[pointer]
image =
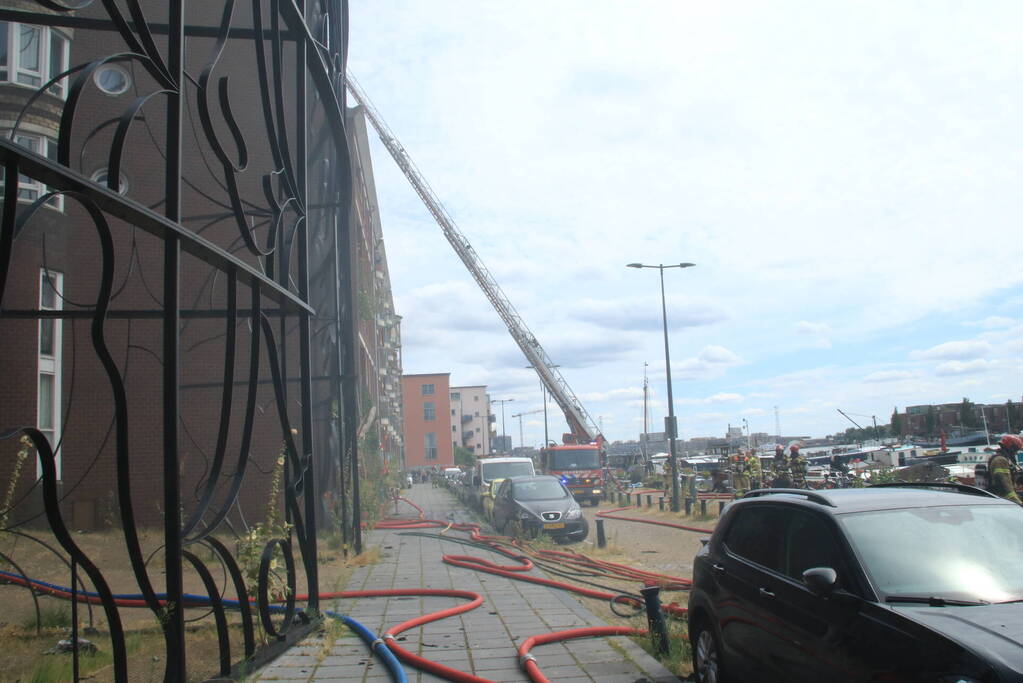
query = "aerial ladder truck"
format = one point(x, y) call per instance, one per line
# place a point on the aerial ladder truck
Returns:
point(581, 457)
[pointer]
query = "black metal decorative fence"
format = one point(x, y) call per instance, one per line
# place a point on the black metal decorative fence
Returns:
point(176, 311)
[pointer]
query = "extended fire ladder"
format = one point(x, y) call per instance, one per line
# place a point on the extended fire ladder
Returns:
point(579, 421)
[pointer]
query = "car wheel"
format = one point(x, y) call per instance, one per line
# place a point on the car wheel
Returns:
point(707, 661)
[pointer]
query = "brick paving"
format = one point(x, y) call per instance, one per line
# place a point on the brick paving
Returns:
point(482, 641)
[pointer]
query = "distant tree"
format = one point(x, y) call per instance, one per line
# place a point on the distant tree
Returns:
point(895, 428)
point(967, 414)
point(931, 421)
point(464, 457)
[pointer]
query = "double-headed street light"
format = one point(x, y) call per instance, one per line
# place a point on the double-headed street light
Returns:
point(670, 426)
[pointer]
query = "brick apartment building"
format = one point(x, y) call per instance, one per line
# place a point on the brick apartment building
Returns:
point(930, 419)
point(426, 403)
point(471, 420)
point(54, 377)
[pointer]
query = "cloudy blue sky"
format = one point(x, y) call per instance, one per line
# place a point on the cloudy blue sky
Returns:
point(846, 176)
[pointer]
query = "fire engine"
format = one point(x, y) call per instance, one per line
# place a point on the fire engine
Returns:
point(580, 466)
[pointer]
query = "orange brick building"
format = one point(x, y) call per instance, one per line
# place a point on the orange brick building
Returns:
point(426, 403)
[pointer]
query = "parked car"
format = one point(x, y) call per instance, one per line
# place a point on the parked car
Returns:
point(539, 504)
point(904, 582)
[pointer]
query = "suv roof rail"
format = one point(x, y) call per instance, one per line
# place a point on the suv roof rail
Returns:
point(954, 485)
point(811, 496)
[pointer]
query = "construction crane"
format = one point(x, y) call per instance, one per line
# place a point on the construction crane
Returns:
point(519, 415)
point(872, 417)
point(582, 427)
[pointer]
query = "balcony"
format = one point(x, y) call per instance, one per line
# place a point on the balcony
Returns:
point(466, 419)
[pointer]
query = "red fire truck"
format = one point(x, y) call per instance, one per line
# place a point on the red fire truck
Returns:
point(580, 467)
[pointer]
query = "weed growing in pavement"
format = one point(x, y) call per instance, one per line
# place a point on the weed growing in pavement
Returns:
point(679, 659)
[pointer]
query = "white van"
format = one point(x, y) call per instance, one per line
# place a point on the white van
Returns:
point(488, 469)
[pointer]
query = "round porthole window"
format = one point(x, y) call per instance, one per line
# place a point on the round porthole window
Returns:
point(101, 176)
point(113, 79)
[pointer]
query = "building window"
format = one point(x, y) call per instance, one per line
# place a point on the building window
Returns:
point(454, 429)
point(429, 411)
point(30, 189)
point(431, 446)
point(477, 430)
point(456, 396)
point(102, 177)
point(477, 413)
point(51, 333)
point(453, 412)
point(476, 398)
point(428, 389)
point(113, 79)
point(30, 55)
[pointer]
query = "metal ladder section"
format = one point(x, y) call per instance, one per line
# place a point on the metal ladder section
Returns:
point(579, 421)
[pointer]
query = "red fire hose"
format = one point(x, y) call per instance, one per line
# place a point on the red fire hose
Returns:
point(528, 661)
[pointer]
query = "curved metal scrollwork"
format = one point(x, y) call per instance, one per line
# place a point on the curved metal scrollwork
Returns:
point(166, 157)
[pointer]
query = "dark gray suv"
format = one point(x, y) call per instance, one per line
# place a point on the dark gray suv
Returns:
point(908, 582)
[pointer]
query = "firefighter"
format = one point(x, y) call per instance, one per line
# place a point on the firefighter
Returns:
point(740, 476)
point(782, 479)
point(756, 474)
point(1000, 468)
point(797, 467)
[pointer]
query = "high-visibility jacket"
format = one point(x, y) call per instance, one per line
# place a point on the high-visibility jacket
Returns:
point(798, 467)
point(999, 469)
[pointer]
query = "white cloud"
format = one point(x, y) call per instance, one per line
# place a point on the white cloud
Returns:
point(889, 376)
point(818, 333)
point(956, 367)
point(815, 329)
point(613, 394)
point(992, 322)
point(954, 350)
point(712, 361)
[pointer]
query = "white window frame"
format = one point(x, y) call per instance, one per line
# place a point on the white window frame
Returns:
point(51, 365)
point(430, 452)
point(47, 36)
point(30, 189)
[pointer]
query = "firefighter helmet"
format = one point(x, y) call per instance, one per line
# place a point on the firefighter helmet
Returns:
point(794, 448)
point(1011, 443)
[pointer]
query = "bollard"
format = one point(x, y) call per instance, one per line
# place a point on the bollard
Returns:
point(618, 497)
point(655, 619)
point(721, 507)
point(649, 500)
point(601, 538)
point(660, 503)
point(689, 506)
point(703, 507)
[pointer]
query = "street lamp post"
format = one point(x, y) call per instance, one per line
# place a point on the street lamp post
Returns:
point(543, 393)
point(671, 427)
point(502, 401)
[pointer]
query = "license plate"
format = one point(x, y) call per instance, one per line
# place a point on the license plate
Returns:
point(554, 525)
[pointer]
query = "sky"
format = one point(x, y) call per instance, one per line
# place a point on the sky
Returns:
point(845, 176)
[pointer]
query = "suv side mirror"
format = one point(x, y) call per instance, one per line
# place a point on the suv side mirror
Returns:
point(820, 580)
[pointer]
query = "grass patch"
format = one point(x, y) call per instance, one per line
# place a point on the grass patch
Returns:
point(679, 659)
point(50, 617)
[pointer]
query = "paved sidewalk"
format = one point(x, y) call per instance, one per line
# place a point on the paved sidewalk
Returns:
point(482, 641)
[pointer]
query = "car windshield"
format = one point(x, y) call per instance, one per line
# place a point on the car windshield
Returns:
point(953, 552)
point(503, 470)
point(576, 459)
point(539, 489)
